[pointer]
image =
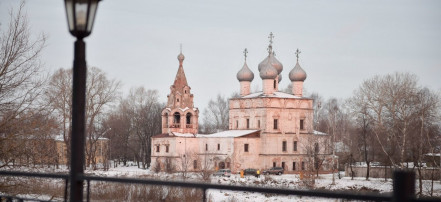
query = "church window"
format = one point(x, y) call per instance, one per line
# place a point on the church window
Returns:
point(295, 146)
point(177, 100)
point(303, 165)
point(284, 146)
point(237, 124)
point(245, 147)
point(188, 117)
point(302, 127)
point(206, 147)
point(228, 164)
point(218, 147)
point(248, 123)
point(293, 165)
point(275, 84)
point(166, 119)
point(177, 117)
point(275, 124)
point(283, 165)
point(274, 164)
point(316, 148)
point(258, 123)
point(195, 164)
point(157, 148)
point(166, 148)
point(185, 91)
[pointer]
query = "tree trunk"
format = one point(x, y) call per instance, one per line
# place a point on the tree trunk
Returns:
point(368, 163)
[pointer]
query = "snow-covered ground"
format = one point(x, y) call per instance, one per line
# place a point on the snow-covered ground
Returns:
point(291, 181)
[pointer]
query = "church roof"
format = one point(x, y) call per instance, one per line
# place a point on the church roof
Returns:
point(180, 79)
point(225, 134)
point(229, 133)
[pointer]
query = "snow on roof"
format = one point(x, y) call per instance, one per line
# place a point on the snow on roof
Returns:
point(61, 138)
point(183, 134)
point(184, 109)
point(275, 94)
point(319, 133)
point(228, 133)
point(432, 154)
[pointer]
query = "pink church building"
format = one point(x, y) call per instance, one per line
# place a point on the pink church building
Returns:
point(267, 129)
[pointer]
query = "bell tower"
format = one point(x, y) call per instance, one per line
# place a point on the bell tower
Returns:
point(180, 115)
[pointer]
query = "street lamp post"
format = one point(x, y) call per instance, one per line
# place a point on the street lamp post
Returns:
point(80, 18)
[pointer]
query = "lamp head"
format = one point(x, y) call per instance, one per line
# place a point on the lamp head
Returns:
point(80, 16)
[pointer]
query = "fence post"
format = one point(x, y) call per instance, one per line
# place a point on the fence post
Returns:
point(403, 186)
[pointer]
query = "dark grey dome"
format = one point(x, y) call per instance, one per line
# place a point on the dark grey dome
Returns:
point(274, 62)
point(297, 73)
point(268, 71)
point(245, 74)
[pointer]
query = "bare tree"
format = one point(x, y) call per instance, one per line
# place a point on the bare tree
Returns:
point(119, 121)
point(58, 96)
point(21, 78)
point(402, 116)
point(216, 115)
point(100, 93)
point(146, 119)
point(315, 147)
point(205, 164)
point(186, 161)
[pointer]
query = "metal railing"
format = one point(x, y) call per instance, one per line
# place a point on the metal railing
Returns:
point(403, 187)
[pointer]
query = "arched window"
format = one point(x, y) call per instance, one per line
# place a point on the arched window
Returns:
point(188, 118)
point(177, 117)
point(166, 119)
point(275, 84)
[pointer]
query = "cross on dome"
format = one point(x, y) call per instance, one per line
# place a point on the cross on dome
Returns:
point(270, 46)
point(245, 54)
point(297, 54)
point(271, 37)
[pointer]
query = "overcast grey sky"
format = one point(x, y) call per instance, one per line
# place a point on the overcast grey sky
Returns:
point(342, 42)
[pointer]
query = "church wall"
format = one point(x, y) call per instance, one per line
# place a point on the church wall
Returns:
point(246, 159)
point(215, 153)
point(288, 113)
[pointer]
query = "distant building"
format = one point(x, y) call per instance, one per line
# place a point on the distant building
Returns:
point(32, 150)
point(101, 150)
point(266, 129)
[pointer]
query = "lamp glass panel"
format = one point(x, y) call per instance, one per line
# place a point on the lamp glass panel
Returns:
point(70, 16)
point(81, 16)
point(92, 11)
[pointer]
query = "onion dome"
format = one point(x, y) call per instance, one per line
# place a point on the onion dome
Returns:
point(245, 74)
point(181, 57)
point(280, 78)
point(268, 71)
point(297, 73)
point(274, 62)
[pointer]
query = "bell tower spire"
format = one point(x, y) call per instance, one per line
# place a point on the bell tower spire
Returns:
point(180, 115)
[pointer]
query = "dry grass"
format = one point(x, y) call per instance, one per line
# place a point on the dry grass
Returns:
point(50, 187)
point(100, 191)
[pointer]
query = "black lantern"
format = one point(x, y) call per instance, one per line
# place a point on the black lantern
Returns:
point(80, 16)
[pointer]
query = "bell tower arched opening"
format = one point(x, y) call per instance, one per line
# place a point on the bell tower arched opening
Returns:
point(176, 120)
